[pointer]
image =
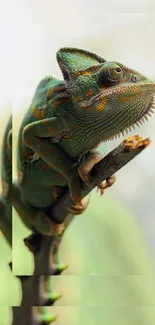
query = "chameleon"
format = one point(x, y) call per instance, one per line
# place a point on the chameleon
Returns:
point(6, 176)
point(97, 101)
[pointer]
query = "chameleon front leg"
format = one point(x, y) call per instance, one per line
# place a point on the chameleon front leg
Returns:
point(80, 207)
point(77, 208)
point(87, 163)
point(35, 136)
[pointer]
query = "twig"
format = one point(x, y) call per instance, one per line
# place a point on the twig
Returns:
point(106, 167)
point(29, 316)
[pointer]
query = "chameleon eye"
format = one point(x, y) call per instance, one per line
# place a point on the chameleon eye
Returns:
point(110, 73)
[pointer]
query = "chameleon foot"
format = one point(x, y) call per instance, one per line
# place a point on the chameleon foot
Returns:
point(87, 163)
point(80, 207)
point(109, 182)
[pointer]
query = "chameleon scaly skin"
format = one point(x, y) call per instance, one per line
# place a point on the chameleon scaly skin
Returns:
point(68, 119)
point(6, 175)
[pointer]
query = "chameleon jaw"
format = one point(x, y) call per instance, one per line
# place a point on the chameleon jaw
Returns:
point(107, 92)
point(148, 113)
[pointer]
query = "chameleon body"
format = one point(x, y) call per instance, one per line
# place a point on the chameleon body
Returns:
point(68, 119)
point(6, 176)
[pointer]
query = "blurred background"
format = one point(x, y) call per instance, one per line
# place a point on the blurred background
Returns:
point(110, 249)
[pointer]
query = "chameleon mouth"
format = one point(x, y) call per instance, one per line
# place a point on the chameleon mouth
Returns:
point(148, 113)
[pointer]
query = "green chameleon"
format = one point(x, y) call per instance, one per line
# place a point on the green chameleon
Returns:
point(66, 121)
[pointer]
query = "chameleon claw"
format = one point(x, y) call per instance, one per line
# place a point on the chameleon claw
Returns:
point(100, 188)
point(104, 185)
point(76, 208)
point(80, 207)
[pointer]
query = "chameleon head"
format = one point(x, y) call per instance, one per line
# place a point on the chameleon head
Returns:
point(114, 97)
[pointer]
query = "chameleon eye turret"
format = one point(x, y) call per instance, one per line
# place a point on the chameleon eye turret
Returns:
point(110, 74)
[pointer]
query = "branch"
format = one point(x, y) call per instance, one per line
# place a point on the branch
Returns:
point(105, 168)
point(35, 292)
point(109, 165)
point(31, 316)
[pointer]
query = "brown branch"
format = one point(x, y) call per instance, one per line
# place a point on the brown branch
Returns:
point(35, 293)
point(108, 166)
point(29, 316)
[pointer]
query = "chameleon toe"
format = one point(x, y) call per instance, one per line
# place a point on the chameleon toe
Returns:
point(80, 207)
point(106, 184)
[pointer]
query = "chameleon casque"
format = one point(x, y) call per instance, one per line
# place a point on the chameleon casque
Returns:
point(66, 121)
